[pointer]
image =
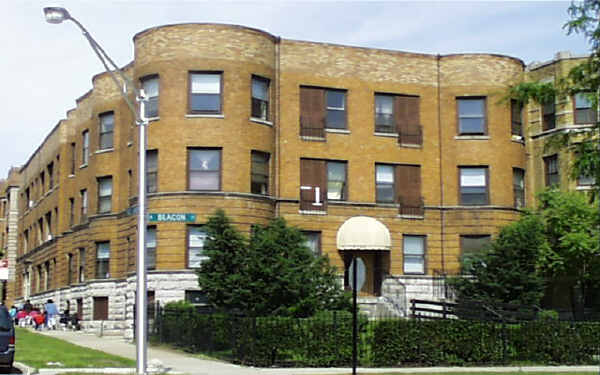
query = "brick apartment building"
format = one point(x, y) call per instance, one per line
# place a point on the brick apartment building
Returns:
point(408, 160)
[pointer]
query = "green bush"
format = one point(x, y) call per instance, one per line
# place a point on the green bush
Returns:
point(458, 342)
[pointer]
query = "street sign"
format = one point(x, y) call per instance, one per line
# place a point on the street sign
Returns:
point(360, 273)
point(172, 217)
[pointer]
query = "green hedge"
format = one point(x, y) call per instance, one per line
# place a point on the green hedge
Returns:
point(325, 340)
point(459, 342)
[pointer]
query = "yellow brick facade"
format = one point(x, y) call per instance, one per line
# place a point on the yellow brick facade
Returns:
point(238, 54)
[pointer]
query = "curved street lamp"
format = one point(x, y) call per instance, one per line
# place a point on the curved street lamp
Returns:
point(58, 15)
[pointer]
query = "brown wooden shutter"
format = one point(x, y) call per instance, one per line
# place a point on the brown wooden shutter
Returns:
point(408, 185)
point(100, 308)
point(313, 174)
point(312, 112)
point(407, 116)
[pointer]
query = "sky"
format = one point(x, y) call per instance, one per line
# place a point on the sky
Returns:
point(45, 67)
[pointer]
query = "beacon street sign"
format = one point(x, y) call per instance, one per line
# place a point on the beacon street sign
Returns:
point(174, 218)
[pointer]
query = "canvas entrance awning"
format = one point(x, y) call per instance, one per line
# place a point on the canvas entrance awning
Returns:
point(363, 233)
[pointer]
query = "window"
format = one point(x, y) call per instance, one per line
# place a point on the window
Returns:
point(42, 184)
point(48, 276)
point(585, 180)
point(50, 175)
point(473, 185)
point(151, 171)
point(26, 240)
point(336, 181)
point(473, 243)
point(205, 93)
point(84, 203)
point(104, 195)
point(399, 114)
point(321, 108)
point(313, 241)
point(150, 87)
point(414, 254)
point(204, 169)
point(384, 114)
point(516, 117)
point(259, 175)
point(400, 184)
point(384, 183)
point(107, 124)
point(471, 116)
point(196, 297)
point(320, 180)
point(336, 109)
point(551, 170)
point(196, 238)
point(102, 260)
point(260, 98)
point(151, 247)
point(71, 212)
point(39, 278)
point(584, 112)
point(548, 115)
point(100, 308)
point(73, 157)
point(81, 268)
point(70, 267)
point(519, 187)
point(85, 147)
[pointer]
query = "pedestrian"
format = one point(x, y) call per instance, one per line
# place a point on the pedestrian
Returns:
point(51, 312)
point(28, 306)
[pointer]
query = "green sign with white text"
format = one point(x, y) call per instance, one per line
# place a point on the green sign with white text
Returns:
point(173, 218)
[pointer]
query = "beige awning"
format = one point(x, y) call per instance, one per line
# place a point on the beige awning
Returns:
point(363, 233)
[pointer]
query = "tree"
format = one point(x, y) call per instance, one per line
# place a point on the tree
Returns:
point(221, 274)
point(506, 271)
point(557, 244)
point(274, 273)
point(573, 255)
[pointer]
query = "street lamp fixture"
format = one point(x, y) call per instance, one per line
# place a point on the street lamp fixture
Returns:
point(58, 15)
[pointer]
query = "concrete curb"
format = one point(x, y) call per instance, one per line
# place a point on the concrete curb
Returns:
point(26, 370)
point(440, 370)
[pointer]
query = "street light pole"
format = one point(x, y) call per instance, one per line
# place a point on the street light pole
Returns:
point(58, 15)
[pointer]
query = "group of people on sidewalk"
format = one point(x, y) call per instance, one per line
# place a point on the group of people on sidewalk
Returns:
point(38, 316)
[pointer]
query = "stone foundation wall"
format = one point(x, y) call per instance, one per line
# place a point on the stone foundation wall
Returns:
point(167, 287)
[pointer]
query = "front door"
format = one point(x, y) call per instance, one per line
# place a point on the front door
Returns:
point(375, 268)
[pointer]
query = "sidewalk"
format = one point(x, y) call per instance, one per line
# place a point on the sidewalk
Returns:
point(175, 362)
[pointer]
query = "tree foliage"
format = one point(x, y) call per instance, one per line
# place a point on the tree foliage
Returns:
point(272, 273)
point(572, 231)
point(506, 271)
point(557, 243)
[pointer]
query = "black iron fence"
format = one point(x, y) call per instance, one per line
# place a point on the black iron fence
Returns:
point(325, 340)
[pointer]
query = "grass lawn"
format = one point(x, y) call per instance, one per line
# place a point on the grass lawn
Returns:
point(37, 350)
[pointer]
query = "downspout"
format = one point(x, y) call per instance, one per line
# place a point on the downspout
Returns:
point(276, 126)
point(441, 169)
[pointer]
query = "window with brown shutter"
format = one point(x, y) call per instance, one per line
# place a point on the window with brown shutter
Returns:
point(312, 112)
point(313, 185)
point(100, 308)
point(408, 185)
point(408, 122)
